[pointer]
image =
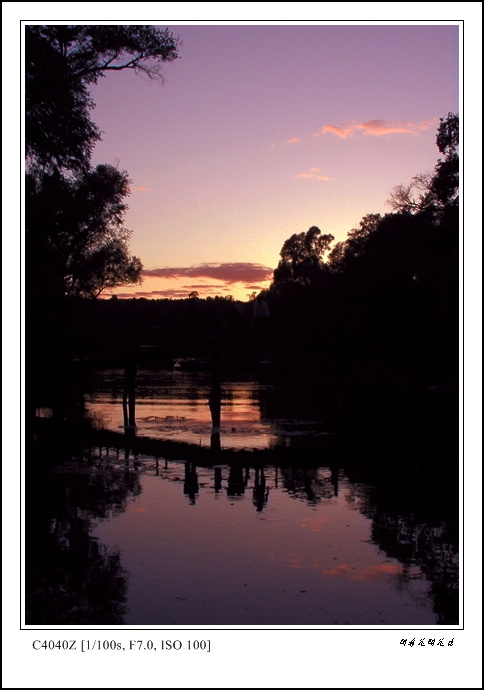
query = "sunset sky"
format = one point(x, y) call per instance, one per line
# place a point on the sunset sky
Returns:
point(262, 131)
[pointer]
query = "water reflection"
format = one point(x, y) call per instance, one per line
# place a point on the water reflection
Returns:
point(217, 480)
point(244, 411)
point(71, 577)
point(105, 537)
point(308, 484)
point(214, 403)
point(424, 548)
point(260, 492)
point(190, 486)
point(293, 532)
point(236, 482)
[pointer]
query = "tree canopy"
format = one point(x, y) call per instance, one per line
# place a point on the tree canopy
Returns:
point(437, 192)
point(77, 244)
point(61, 61)
point(302, 257)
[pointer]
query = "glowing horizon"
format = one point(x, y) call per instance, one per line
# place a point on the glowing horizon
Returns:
point(238, 280)
point(260, 132)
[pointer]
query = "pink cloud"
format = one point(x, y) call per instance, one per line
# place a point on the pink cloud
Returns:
point(378, 128)
point(151, 294)
point(227, 272)
point(225, 277)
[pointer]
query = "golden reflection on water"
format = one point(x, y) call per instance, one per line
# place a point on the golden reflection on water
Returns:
point(189, 421)
point(369, 572)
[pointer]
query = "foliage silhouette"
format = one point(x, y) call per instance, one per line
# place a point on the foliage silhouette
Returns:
point(302, 257)
point(61, 62)
point(75, 235)
point(438, 193)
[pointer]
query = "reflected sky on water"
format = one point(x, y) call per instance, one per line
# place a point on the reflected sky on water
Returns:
point(174, 405)
point(130, 538)
point(207, 555)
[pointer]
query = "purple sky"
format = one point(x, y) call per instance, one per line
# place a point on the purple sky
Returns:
point(262, 131)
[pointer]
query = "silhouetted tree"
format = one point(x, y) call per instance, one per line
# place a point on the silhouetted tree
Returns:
point(79, 211)
point(302, 257)
point(437, 267)
point(437, 193)
point(411, 198)
point(445, 183)
point(61, 61)
point(296, 289)
point(356, 243)
point(76, 243)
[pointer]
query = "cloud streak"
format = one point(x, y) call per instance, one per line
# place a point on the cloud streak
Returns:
point(151, 294)
point(314, 174)
point(225, 272)
point(377, 128)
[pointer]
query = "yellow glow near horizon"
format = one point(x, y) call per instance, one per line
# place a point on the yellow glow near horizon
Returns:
point(180, 288)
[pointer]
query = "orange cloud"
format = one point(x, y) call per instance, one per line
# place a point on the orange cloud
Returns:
point(294, 140)
point(342, 132)
point(378, 128)
point(141, 189)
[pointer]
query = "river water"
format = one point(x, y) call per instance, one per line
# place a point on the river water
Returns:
point(271, 523)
